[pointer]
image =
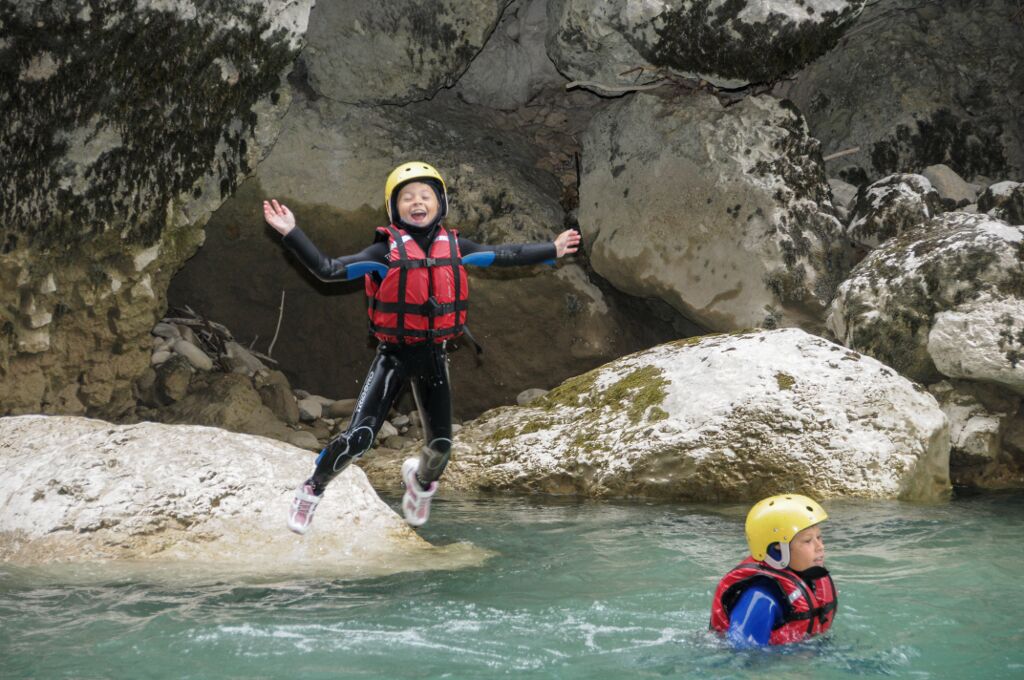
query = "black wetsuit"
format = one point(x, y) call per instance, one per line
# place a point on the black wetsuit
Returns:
point(423, 365)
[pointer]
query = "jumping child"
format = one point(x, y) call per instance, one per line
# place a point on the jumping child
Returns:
point(415, 308)
point(782, 593)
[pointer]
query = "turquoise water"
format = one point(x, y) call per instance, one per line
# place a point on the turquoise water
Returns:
point(577, 590)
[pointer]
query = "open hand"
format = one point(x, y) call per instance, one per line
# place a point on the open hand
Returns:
point(567, 242)
point(278, 216)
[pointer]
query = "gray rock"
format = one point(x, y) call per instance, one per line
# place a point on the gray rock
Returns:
point(224, 400)
point(172, 379)
point(400, 421)
point(843, 196)
point(304, 440)
point(759, 245)
point(195, 356)
point(276, 394)
point(342, 408)
point(186, 333)
point(159, 357)
point(513, 66)
point(309, 409)
point(891, 206)
point(427, 47)
point(387, 430)
point(398, 442)
point(526, 397)
point(166, 330)
point(955, 192)
point(244, 360)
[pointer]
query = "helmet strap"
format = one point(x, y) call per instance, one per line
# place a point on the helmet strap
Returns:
point(783, 561)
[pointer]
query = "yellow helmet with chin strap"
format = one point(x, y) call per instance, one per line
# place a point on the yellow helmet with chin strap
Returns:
point(778, 519)
point(408, 172)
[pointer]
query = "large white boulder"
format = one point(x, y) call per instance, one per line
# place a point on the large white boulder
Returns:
point(982, 340)
point(77, 490)
point(724, 417)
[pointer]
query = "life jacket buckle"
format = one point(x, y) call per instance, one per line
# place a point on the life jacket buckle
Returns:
point(433, 307)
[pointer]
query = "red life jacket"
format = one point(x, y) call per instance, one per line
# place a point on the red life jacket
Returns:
point(805, 611)
point(424, 296)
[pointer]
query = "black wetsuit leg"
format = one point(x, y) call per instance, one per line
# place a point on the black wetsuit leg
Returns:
point(431, 389)
point(387, 374)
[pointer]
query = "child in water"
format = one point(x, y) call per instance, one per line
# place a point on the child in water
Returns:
point(415, 308)
point(782, 593)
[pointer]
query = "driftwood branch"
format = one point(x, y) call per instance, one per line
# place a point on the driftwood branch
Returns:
point(280, 315)
point(840, 154)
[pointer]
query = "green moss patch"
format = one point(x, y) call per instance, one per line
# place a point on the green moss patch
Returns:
point(154, 78)
point(785, 381)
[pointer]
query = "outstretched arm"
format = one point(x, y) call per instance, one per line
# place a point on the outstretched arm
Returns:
point(518, 254)
point(324, 268)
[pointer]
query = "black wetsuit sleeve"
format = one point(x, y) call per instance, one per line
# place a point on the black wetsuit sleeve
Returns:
point(511, 254)
point(328, 268)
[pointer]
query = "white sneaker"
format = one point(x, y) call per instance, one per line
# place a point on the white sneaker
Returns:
point(303, 506)
point(416, 500)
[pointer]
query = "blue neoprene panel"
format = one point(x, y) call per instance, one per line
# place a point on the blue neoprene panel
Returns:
point(755, 615)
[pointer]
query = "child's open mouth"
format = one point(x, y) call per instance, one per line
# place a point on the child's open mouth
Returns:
point(418, 215)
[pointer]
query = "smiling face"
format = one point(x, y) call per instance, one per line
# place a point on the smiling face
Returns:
point(807, 549)
point(417, 204)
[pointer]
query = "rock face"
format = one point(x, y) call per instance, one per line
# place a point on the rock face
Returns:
point(514, 66)
point(723, 213)
point(1004, 201)
point(364, 51)
point(82, 490)
point(719, 418)
point(727, 42)
point(329, 167)
point(152, 117)
point(961, 277)
point(920, 83)
point(982, 423)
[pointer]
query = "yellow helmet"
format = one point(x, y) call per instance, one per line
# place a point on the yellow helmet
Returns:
point(778, 519)
point(414, 170)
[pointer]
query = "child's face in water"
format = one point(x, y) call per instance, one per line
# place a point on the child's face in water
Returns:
point(417, 204)
point(807, 549)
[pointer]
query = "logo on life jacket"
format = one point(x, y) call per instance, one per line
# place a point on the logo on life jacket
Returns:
point(424, 296)
point(806, 610)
